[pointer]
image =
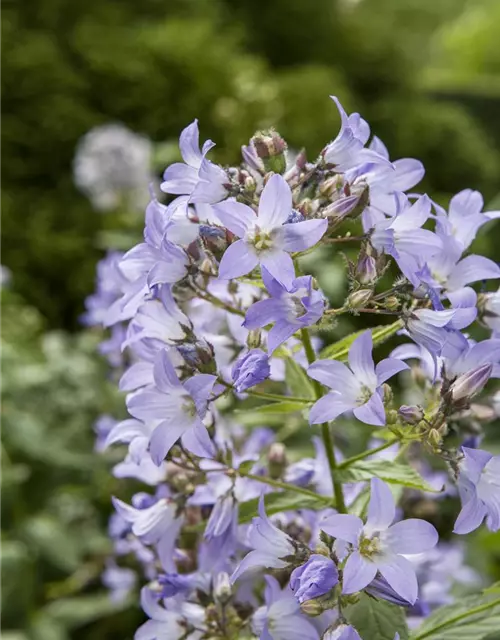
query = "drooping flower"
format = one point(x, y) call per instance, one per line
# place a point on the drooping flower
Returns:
point(355, 387)
point(379, 546)
point(270, 545)
point(264, 237)
point(314, 578)
point(479, 488)
point(177, 409)
point(250, 368)
point(290, 308)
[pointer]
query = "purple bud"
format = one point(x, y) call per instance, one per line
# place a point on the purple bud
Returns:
point(471, 383)
point(251, 368)
point(366, 269)
point(314, 578)
point(199, 355)
point(380, 588)
point(411, 414)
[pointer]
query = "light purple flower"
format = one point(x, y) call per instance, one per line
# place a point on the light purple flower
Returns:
point(119, 580)
point(479, 488)
point(177, 409)
point(348, 149)
point(280, 618)
point(314, 578)
point(154, 525)
point(473, 356)
point(342, 632)
point(265, 238)
point(134, 433)
point(250, 368)
point(354, 388)
point(403, 238)
point(270, 545)
point(465, 217)
point(379, 546)
point(290, 307)
point(431, 329)
point(222, 526)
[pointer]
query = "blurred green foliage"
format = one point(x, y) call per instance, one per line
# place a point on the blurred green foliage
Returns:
point(425, 74)
point(237, 65)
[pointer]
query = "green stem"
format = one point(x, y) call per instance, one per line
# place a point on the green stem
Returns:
point(284, 485)
point(325, 431)
point(205, 295)
point(462, 616)
point(348, 461)
point(278, 397)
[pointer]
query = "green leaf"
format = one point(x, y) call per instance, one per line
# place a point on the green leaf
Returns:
point(340, 350)
point(472, 618)
point(297, 380)
point(391, 472)
point(276, 407)
point(279, 501)
point(377, 619)
point(80, 610)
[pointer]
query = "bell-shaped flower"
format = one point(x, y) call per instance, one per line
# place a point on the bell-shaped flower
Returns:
point(380, 546)
point(177, 409)
point(289, 307)
point(264, 237)
point(250, 369)
point(355, 387)
point(348, 149)
point(281, 618)
point(272, 548)
point(403, 238)
point(479, 488)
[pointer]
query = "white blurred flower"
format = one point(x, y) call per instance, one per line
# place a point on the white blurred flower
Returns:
point(112, 166)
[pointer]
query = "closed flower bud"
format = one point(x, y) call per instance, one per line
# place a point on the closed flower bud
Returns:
point(222, 587)
point(331, 186)
point(392, 303)
point(366, 270)
point(251, 368)
point(254, 339)
point(199, 355)
point(471, 383)
point(358, 299)
point(312, 608)
point(434, 438)
point(277, 459)
point(313, 579)
point(411, 414)
point(388, 394)
point(271, 148)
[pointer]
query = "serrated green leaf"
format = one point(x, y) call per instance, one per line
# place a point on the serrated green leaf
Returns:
point(391, 472)
point(279, 501)
point(472, 618)
point(297, 379)
point(377, 619)
point(340, 350)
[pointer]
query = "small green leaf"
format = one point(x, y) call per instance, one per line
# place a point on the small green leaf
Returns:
point(471, 618)
point(391, 472)
point(340, 350)
point(279, 501)
point(297, 380)
point(377, 619)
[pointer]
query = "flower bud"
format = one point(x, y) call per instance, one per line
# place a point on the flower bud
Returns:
point(312, 608)
point(366, 269)
point(471, 383)
point(434, 438)
point(277, 459)
point(254, 339)
point(411, 414)
point(388, 394)
point(392, 303)
point(271, 148)
point(250, 368)
point(222, 587)
point(200, 355)
point(358, 299)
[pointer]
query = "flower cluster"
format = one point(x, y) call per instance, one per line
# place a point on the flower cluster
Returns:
point(217, 330)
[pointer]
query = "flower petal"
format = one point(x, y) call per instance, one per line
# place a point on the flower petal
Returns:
point(381, 509)
point(299, 236)
point(163, 439)
point(336, 375)
point(238, 260)
point(275, 203)
point(372, 412)
point(400, 575)
point(235, 216)
point(280, 266)
point(358, 573)
point(411, 537)
point(343, 526)
point(471, 269)
point(328, 408)
point(361, 360)
point(388, 368)
point(471, 516)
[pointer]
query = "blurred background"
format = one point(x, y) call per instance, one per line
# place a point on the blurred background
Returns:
point(424, 73)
